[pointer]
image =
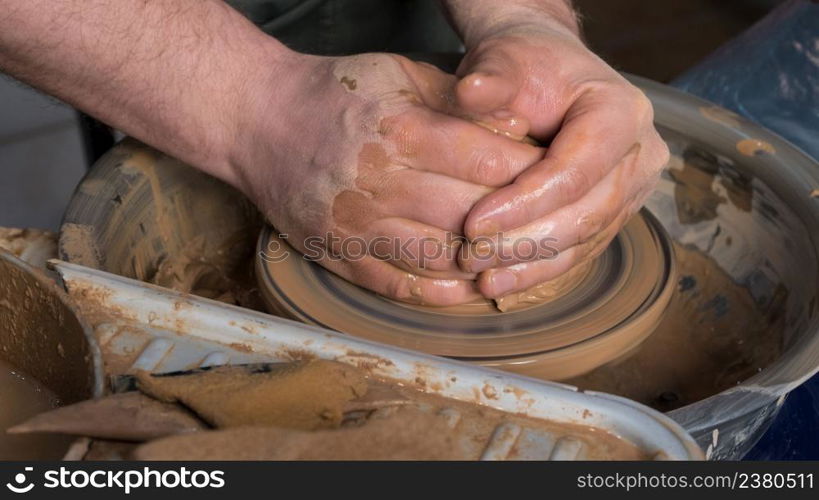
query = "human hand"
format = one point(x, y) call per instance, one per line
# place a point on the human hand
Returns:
point(603, 159)
point(363, 154)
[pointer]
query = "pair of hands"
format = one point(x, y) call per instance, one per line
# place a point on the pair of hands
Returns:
point(378, 163)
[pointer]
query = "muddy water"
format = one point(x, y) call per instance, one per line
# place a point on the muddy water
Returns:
point(22, 397)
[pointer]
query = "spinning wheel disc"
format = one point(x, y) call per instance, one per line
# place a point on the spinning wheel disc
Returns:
point(606, 311)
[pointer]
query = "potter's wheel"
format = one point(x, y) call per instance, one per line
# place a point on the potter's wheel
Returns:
point(752, 218)
point(609, 309)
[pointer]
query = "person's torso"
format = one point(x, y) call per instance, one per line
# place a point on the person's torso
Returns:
point(338, 27)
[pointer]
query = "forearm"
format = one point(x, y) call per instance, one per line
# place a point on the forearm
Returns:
point(475, 20)
point(176, 74)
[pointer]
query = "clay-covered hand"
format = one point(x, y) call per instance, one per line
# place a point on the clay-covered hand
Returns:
point(603, 158)
point(366, 172)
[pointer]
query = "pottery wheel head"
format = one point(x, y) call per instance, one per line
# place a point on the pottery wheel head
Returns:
point(602, 313)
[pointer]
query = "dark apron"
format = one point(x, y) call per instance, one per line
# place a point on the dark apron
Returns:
point(339, 27)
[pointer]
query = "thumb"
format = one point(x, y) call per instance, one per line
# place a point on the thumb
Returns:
point(487, 91)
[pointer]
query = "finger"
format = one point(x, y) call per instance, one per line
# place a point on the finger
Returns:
point(435, 142)
point(429, 198)
point(490, 80)
point(593, 140)
point(432, 87)
point(385, 279)
point(496, 283)
point(417, 248)
point(436, 90)
point(562, 229)
point(488, 89)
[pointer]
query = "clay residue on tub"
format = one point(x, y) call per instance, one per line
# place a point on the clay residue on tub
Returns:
point(166, 223)
point(694, 194)
point(702, 182)
point(34, 246)
point(721, 115)
point(394, 422)
point(195, 270)
point(318, 410)
point(738, 188)
point(78, 245)
point(712, 337)
point(302, 395)
point(408, 435)
point(755, 147)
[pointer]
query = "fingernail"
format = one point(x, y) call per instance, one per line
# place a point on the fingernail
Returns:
point(503, 282)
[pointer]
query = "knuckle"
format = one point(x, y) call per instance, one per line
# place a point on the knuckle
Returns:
point(576, 183)
point(592, 223)
point(642, 105)
point(401, 130)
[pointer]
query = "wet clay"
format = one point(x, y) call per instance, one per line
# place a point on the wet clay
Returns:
point(284, 416)
point(544, 292)
point(33, 246)
point(78, 246)
point(130, 416)
point(559, 330)
point(392, 422)
point(21, 397)
point(712, 337)
point(408, 435)
point(306, 395)
point(537, 295)
point(163, 222)
point(191, 270)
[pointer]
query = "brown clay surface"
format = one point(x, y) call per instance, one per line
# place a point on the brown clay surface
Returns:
point(390, 422)
point(34, 246)
point(306, 395)
point(148, 217)
point(408, 435)
point(315, 410)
